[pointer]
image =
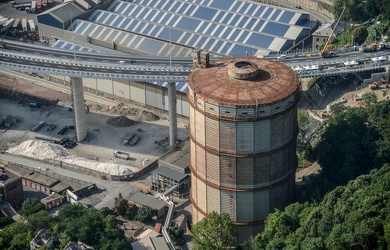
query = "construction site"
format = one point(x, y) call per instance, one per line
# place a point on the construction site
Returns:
point(126, 142)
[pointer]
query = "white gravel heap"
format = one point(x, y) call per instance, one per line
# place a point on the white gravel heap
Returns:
point(46, 150)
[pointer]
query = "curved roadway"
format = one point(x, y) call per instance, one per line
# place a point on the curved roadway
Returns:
point(27, 57)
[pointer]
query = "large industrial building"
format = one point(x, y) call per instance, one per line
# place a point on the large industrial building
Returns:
point(243, 128)
point(221, 27)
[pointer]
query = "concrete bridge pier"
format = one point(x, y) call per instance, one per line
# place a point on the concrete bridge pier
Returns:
point(79, 110)
point(172, 114)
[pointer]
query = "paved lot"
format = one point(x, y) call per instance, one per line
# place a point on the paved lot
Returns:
point(103, 140)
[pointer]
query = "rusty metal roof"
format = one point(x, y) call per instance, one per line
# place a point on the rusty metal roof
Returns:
point(243, 81)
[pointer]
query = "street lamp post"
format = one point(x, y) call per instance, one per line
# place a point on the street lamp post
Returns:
point(74, 49)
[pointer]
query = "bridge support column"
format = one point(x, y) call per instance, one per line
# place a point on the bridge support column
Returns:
point(172, 114)
point(79, 110)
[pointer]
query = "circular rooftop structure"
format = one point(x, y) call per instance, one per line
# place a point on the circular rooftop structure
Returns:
point(243, 81)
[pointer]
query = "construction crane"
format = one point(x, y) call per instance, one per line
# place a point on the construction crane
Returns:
point(326, 51)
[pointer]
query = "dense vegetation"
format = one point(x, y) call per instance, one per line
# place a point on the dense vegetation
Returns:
point(132, 212)
point(362, 10)
point(355, 216)
point(355, 141)
point(97, 228)
point(215, 232)
point(367, 21)
point(31, 206)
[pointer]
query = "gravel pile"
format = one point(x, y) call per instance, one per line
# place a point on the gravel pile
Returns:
point(97, 107)
point(46, 150)
point(121, 109)
point(120, 121)
point(147, 116)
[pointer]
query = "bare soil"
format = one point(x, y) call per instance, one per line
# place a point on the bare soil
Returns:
point(103, 137)
point(17, 89)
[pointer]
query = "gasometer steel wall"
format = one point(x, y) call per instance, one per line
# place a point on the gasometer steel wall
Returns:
point(243, 128)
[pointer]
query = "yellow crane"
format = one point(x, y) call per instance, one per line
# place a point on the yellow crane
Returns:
point(326, 51)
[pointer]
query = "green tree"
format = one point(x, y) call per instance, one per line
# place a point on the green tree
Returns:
point(355, 216)
point(105, 211)
point(120, 205)
point(71, 212)
point(29, 203)
point(31, 206)
point(369, 98)
point(5, 221)
point(337, 109)
point(360, 35)
point(38, 220)
point(131, 212)
point(303, 142)
point(176, 234)
point(215, 232)
point(145, 214)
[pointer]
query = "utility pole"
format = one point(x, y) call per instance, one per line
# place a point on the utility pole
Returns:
point(74, 46)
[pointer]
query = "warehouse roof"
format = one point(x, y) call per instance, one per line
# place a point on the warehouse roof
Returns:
point(224, 27)
point(171, 173)
point(147, 200)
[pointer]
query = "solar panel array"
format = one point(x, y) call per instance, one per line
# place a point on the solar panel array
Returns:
point(225, 27)
point(130, 40)
point(180, 86)
point(60, 44)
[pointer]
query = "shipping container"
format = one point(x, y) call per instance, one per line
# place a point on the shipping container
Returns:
point(16, 23)
point(7, 24)
point(32, 25)
point(33, 6)
point(3, 20)
point(24, 24)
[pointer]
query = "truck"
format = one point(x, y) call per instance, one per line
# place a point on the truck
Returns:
point(33, 7)
point(121, 155)
point(370, 48)
point(131, 139)
point(22, 6)
point(39, 5)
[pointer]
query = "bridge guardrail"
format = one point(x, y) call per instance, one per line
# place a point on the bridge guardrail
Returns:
point(78, 62)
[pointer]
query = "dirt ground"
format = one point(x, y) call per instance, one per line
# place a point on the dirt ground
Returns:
point(106, 130)
point(109, 124)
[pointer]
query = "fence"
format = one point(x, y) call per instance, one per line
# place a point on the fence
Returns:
point(67, 179)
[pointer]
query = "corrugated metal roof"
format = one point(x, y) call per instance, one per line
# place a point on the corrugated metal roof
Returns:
point(168, 172)
point(147, 200)
point(41, 179)
point(272, 82)
point(224, 27)
point(64, 12)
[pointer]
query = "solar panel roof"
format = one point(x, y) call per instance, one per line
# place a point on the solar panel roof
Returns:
point(224, 27)
point(131, 40)
point(60, 44)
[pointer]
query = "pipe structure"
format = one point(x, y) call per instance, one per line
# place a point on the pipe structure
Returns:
point(172, 114)
point(78, 106)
